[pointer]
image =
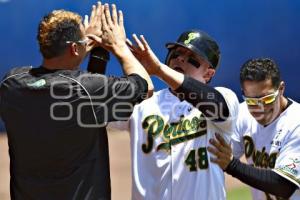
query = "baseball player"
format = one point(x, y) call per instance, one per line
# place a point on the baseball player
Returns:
point(267, 133)
point(171, 130)
point(53, 113)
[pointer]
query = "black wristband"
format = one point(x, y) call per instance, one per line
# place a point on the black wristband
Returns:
point(98, 60)
point(100, 53)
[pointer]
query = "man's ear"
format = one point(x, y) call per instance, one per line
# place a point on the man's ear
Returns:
point(210, 72)
point(74, 50)
point(281, 87)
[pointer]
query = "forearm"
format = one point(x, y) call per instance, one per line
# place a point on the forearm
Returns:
point(262, 179)
point(173, 78)
point(195, 92)
point(131, 65)
point(207, 99)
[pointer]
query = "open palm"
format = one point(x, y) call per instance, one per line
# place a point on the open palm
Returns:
point(144, 54)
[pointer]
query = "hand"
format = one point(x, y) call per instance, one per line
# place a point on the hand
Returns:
point(93, 25)
point(222, 151)
point(113, 36)
point(144, 54)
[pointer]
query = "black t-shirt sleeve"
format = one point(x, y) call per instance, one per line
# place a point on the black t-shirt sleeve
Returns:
point(113, 98)
point(203, 97)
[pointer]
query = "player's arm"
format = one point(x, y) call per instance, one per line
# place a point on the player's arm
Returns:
point(207, 99)
point(262, 179)
point(113, 39)
point(98, 55)
point(98, 60)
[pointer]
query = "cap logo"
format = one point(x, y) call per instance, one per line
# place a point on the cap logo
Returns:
point(191, 36)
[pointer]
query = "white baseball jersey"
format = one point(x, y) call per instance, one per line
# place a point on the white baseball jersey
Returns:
point(168, 145)
point(275, 146)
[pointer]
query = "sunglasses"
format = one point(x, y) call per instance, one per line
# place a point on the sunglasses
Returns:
point(82, 42)
point(265, 100)
point(175, 54)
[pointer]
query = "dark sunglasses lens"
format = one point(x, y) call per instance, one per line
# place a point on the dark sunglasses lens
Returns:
point(174, 55)
point(194, 62)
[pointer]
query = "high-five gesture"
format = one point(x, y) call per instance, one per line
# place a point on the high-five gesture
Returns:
point(144, 54)
point(113, 39)
point(113, 35)
point(151, 63)
point(93, 25)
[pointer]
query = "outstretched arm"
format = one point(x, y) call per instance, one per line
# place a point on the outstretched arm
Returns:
point(152, 64)
point(195, 92)
point(98, 55)
point(113, 39)
point(262, 179)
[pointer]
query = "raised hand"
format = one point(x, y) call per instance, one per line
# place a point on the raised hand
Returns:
point(144, 54)
point(113, 32)
point(93, 24)
point(113, 39)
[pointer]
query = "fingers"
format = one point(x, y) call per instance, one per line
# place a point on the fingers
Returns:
point(94, 37)
point(103, 20)
point(111, 17)
point(219, 150)
point(145, 43)
point(98, 12)
point(135, 50)
point(221, 140)
point(107, 15)
point(138, 42)
point(114, 14)
point(217, 145)
point(220, 158)
point(130, 45)
point(86, 21)
point(121, 19)
point(214, 151)
point(92, 18)
point(214, 160)
point(93, 23)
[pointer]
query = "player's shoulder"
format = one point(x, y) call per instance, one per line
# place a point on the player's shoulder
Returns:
point(228, 94)
point(292, 114)
point(17, 70)
point(295, 105)
point(16, 74)
point(231, 101)
point(152, 101)
point(225, 90)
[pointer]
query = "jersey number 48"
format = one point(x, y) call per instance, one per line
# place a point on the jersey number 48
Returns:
point(197, 157)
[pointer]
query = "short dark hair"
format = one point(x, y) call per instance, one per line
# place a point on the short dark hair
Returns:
point(260, 69)
point(55, 29)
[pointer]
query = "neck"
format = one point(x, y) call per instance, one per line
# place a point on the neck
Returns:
point(59, 63)
point(283, 104)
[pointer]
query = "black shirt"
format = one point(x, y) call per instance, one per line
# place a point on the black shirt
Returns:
point(55, 122)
